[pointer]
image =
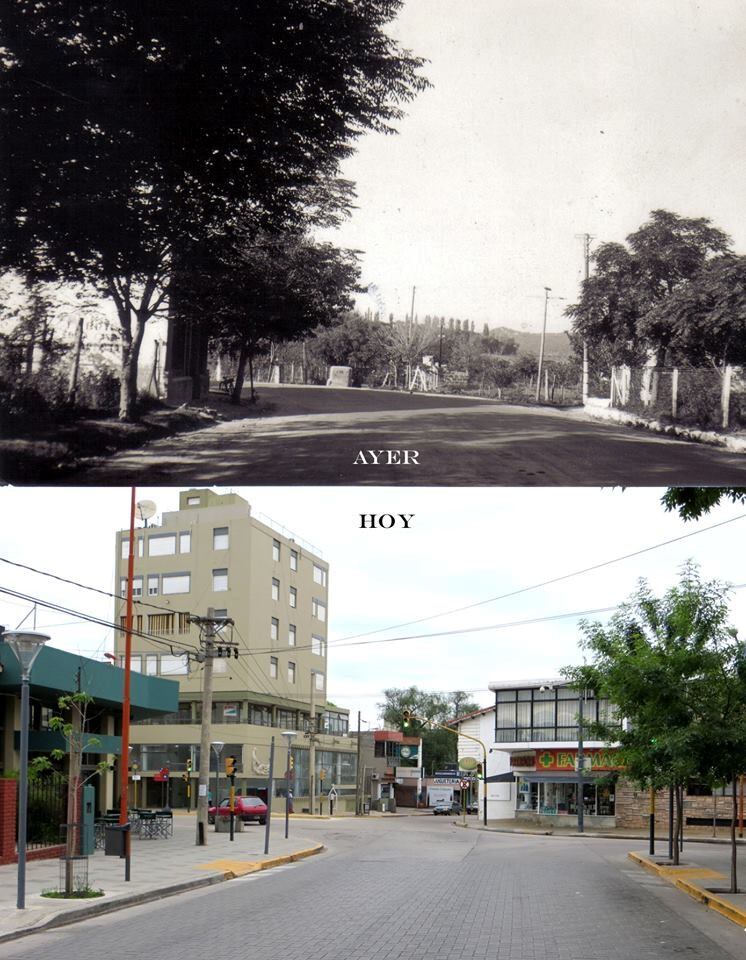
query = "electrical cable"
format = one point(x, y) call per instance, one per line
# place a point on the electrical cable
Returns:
point(537, 586)
point(92, 619)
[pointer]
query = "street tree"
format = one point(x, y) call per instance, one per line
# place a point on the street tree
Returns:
point(128, 130)
point(674, 668)
point(619, 306)
point(249, 288)
point(704, 320)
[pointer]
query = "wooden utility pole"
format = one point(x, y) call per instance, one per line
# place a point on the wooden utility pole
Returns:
point(586, 238)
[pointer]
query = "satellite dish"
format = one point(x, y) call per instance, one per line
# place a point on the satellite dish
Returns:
point(145, 510)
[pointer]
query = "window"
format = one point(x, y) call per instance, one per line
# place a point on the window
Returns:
point(220, 539)
point(293, 597)
point(275, 589)
point(276, 550)
point(175, 583)
point(126, 548)
point(151, 664)
point(260, 715)
point(136, 663)
point(318, 645)
point(273, 667)
point(291, 634)
point(291, 672)
point(174, 666)
point(153, 580)
point(319, 575)
point(287, 719)
point(274, 629)
point(163, 545)
point(137, 586)
point(318, 679)
point(220, 579)
point(184, 624)
point(161, 623)
point(185, 543)
point(293, 559)
point(193, 501)
point(318, 608)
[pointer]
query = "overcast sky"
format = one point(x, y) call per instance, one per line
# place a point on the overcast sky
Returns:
point(546, 119)
point(464, 546)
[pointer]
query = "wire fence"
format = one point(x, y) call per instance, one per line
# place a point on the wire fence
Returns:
point(47, 810)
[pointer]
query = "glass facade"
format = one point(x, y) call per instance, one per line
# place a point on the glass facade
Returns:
point(544, 715)
point(555, 798)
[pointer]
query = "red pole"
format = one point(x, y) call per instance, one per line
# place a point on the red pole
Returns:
point(124, 759)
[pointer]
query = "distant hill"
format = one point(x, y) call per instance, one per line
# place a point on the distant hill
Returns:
point(556, 345)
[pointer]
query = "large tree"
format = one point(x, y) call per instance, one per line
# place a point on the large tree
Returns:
point(619, 306)
point(704, 320)
point(252, 287)
point(692, 502)
point(676, 672)
point(127, 129)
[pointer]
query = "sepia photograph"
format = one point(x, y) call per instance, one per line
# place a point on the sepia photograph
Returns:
point(373, 242)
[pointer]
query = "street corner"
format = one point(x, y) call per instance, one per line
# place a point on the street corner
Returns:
point(707, 886)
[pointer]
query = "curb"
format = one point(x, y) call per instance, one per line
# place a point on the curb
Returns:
point(121, 903)
point(684, 879)
point(731, 443)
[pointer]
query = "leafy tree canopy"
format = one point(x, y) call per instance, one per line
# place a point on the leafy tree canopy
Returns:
point(438, 746)
point(692, 502)
point(620, 304)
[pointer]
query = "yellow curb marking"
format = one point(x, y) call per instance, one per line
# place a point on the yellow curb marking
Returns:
point(681, 878)
point(239, 868)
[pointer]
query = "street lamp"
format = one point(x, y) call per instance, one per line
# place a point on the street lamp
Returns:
point(288, 735)
point(217, 746)
point(26, 646)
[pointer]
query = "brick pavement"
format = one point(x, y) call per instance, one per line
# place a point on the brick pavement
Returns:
point(419, 888)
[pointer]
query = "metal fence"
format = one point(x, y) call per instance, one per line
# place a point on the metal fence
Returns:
point(47, 810)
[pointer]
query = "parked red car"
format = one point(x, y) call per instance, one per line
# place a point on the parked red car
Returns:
point(247, 808)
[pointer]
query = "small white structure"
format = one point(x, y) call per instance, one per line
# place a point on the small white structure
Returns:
point(339, 377)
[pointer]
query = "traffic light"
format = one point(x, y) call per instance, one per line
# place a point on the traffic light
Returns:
point(189, 766)
point(291, 762)
point(406, 717)
point(185, 777)
point(230, 766)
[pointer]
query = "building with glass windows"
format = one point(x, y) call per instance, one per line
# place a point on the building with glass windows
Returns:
point(532, 735)
point(213, 553)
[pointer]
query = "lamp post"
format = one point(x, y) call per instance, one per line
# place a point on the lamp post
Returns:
point(288, 735)
point(217, 746)
point(26, 647)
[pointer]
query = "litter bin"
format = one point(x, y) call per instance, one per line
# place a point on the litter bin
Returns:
point(115, 839)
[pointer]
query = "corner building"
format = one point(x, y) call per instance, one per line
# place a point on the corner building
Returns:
point(213, 553)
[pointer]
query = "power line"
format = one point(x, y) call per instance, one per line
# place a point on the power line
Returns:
point(84, 586)
point(97, 620)
point(537, 586)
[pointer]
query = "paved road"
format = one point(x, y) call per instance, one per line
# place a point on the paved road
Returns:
point(420, 888)
point(319, 433)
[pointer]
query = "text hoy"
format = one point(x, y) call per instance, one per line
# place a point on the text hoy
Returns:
point(385, 520)
point(377, 458)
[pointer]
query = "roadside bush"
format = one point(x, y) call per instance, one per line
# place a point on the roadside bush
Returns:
point(98, 390)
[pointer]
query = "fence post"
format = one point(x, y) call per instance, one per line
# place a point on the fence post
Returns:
point(725, 395)
point(674, 392)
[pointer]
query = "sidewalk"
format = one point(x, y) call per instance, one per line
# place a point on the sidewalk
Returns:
point(159, 868)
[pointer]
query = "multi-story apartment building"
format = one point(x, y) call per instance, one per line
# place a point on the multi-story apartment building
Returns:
point(212, 553)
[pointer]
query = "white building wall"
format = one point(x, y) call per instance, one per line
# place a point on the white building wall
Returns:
point(501, 797)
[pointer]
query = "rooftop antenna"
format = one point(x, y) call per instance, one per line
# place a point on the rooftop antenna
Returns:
point(145, 510)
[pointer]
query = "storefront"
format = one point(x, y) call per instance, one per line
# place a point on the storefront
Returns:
point(547, 785)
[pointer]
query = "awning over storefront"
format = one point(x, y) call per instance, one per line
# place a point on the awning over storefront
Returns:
point(534, 776)
point(508, 777)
